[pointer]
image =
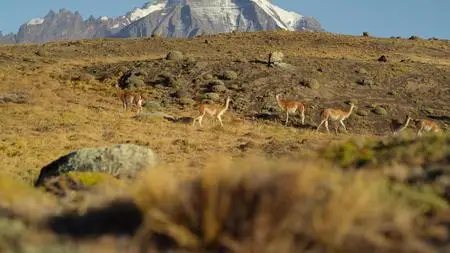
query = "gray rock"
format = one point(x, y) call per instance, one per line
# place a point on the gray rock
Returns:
point(275, 58)
point(117, 160)
point(175, 56)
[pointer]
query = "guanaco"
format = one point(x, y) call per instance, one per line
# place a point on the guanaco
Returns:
point(425, 125)
point(212, 110)
point(291, 107)
point(335, 115)
point(398, 127)
point(130, 100)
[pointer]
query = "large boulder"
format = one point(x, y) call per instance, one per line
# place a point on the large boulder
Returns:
point(117, 160)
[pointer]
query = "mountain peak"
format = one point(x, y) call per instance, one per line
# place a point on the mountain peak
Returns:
point(168, 18)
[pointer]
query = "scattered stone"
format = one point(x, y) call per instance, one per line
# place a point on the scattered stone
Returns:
point(41, 52)
point(382, 59)
point(229, 75)
point(117, 160)
point(14, 98)
point(275, 58)
point(362, 71)
point(366, 82)
point(380, 111)
point(362, 113)
point(175, 56)
point(310, 83)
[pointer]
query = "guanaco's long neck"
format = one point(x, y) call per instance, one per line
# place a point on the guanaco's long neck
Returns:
point(406, 123)
point(350, 111)
point(277, 97)
point(226, 105)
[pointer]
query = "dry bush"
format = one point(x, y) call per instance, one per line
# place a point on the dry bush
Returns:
point(262, 206)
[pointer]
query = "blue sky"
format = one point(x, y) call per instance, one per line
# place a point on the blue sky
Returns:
point(385, 18)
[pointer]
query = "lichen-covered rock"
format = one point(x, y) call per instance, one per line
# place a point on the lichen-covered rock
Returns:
point(117, 160)
point(275, 58)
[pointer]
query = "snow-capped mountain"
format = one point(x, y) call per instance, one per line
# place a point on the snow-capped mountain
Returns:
point(167, 18)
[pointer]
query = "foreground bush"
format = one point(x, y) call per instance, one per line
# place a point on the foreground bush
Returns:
point(268, 207)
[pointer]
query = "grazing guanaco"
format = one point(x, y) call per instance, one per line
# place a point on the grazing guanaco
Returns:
point(212, 110)
point(335, 115)
point(291, 107)
point(398, 127)
point(425, 125)
point(130, 100)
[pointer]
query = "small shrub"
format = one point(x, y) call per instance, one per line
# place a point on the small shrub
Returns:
point(366, 34)
point(211, 96)
point(380, 111)
point(175, 56)
point(310, 83)
point(414, 37)
point(229, 75)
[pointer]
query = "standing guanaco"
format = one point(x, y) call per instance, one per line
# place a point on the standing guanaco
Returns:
point(335, 115)
point(397, 127)
point(291, 107)
point(425, 125)
point(212, 110)
point(130, 100)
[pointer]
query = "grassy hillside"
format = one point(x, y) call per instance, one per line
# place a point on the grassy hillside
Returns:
point(254, 185)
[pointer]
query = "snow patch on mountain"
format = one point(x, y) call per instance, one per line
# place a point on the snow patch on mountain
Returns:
point(139, 13)
point(228, 13)
point(284, 19)
point(36, 21)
